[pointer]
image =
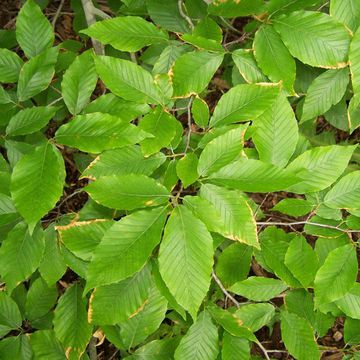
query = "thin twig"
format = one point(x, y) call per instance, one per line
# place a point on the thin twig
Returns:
point(222, 287)
point(55, 101)
point(113, 355)
point(78, 191)
point(189, 124)
point(92, 348)
point(58, 11)
point(179, 109)
point(230, 26)
point(242, 38)
point(306, 223)
point(175, 155)
point(261, 204)
point(175, 198)
point(56, 90)
point(183, 15)
point(322, 6)
point(89, 12)
point(260, 345)
point(100, 13)
point(263, 225)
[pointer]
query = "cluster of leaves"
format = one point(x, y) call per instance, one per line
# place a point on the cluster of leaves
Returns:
point(160, 254)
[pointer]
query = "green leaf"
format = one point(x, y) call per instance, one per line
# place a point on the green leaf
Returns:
point(162, 349)
point(200, 112)
point(167, 15)
point(34, 32)
point(274, 245)
point(208, 28)
point(243, 103)
point(96, 132)
point(77, 265)
point(10, 65)
point(10, 317)
point(187, 169)
point(349, 304)
point(293, 207)
point(201, 340)
point(126, 247)
point(337, 116)
point(231, 323)
point(234, 8)
point(253, 176)
point(276, 133)
point(36, 75)
point(346, 12)
point(4, 96)
point(315, 38)
point(20, 254)
point(211, 134)
point(298, 337)
point(274, 58)
point(299, 256)
point(319, 167)
point(111, 304)
point(46, 346)
point(70, 322)
point(37, 182)
point(127, 160)
point(222, 150)
point(258, 288)
point(234, 348)
point(233, 264)
point(113, 105)
point(52, 265)
point(205, 211)
point(81, 238)
point(353, 113)
point(203, 43)
point(193, 71)
point(162, 126)
point(128, 80)
point(326, 90)
point(354, 56)
point(8, 215)
point(284, 6)
point(346, 193)
point(145, 321)
point(128, 192)
point(30, 120)
point(301, 303)
point(255, 316)
point(186, 259)
point(168, 56)
point(247, 66)
point(16, 347)
point(336, 276)
point(352, 331)
point(235, 213)
point(160, 284)
point(40, 299)
point(127, 33)
point(77, 85)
